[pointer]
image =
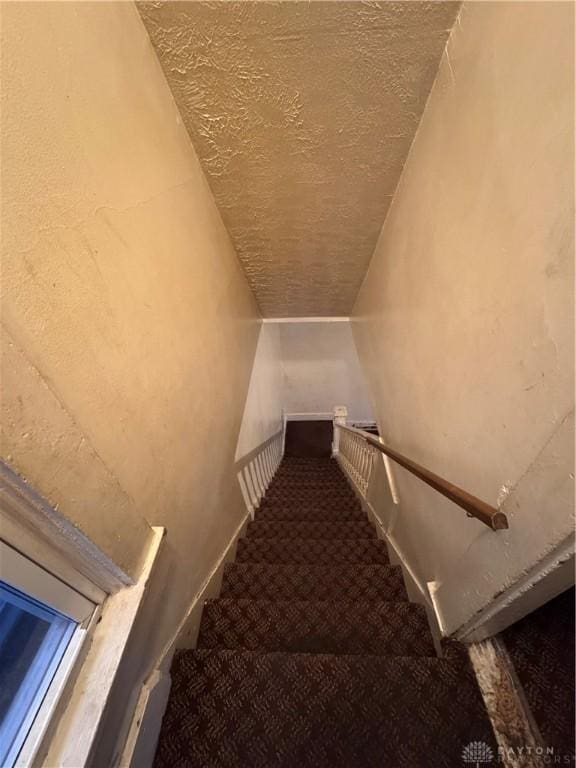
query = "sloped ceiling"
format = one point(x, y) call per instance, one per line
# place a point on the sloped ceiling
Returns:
point(302, 114)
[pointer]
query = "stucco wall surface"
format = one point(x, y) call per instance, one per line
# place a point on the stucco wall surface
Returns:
point(320, 369)
point(302, 114)
point(464, 322)
point(263, 410)
point(129, 327)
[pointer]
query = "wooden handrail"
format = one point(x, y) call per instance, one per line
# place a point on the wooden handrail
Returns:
point(475, 507)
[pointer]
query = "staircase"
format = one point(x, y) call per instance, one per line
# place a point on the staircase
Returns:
point(313, 655)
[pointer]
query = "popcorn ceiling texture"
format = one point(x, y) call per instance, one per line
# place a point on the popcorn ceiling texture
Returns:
point(302, 115)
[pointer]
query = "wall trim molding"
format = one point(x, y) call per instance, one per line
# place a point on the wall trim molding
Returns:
point(140, 747)
point(76, 732)
point(25, 508)
point(414, 585)
point(321, 416)
point(305, 319)
point(186, 633)
point(543, 582)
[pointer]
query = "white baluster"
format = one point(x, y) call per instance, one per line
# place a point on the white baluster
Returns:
point(250, 484)
point(246, 494)
point(267, 464)
point(340, 417)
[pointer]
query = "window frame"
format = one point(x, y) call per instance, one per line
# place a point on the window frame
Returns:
point(80, 692)
point(26, 575)
point(29, 523)
point(39, 692)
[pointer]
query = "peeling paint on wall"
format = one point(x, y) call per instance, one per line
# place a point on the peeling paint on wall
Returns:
point(302, 115)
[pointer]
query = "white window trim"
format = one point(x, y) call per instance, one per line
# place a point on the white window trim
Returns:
point(39, 691)
point(68, 733)
point(52, 540)
point(49, 707)
point(71, 741)
point(19, 571)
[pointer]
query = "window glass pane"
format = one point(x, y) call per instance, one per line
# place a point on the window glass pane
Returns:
point(33, 639)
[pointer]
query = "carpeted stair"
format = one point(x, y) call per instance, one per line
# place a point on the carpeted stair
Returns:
point(313, 655)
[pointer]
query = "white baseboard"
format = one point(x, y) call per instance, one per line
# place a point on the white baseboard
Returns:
point(417, 591)
point(383, 534)
point(421, 589)
point(186, 633)
point(324, 416)
point(140, 746)
point(305, 319)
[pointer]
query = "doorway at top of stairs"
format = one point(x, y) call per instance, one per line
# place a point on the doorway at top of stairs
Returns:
point(308, 439)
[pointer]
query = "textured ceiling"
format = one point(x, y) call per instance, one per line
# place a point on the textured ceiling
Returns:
point(302, 114)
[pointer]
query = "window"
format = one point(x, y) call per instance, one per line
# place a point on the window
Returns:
point(43, 622)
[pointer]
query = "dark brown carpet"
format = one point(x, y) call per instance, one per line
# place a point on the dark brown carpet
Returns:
point(293, 529)
point(235, 708)
point(312, 551)
point(309, 439)
point(380, 629)
point(541, 647)
point(319, 511)
point(313, 657)
point(259, 581)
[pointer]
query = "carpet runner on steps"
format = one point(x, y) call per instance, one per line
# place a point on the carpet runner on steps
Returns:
point(313, 655)
point(337, 626)
point(346, 581)
point(313, 551)
point(281, 529)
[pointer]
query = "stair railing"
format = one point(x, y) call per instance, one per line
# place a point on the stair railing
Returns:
point(357, 456)
point(357, 450)
point(256, 470)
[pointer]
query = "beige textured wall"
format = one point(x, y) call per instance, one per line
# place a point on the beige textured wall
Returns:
point(464, 322)
point(129, 328)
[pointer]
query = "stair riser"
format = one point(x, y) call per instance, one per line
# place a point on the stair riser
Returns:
point(380, 629)
point(295, 582)
point(303, 493)
point(327, 552)
point(310, 530)
point(309, 481)
point(315, 515)
point(313, 505)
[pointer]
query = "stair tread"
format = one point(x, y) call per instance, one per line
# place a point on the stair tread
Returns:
point(238, 708)
point(316, 582)
point(350, 627)
point(314, 551)
point(310, 503)
point(323, 501)
point(310, 529)
point(305, 481)
point(311, 513)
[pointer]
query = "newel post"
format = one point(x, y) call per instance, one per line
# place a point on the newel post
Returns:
point(340, 416)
